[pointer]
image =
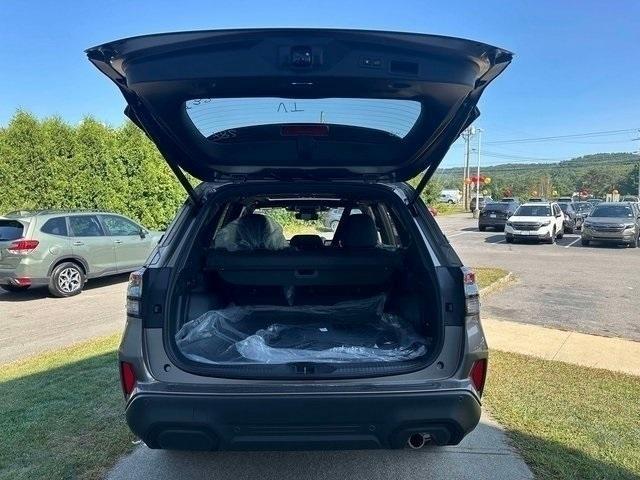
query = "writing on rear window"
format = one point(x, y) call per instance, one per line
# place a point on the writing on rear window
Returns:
point(211, 116)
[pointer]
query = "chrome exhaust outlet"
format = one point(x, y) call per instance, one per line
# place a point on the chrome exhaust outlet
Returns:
point(417, 440)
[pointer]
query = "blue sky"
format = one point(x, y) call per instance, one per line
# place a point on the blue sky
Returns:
point(577, 65)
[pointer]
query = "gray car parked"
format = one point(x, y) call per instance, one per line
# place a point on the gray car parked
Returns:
point(612, 222)
point(238, 338)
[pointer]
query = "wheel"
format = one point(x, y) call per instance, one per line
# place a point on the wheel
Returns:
point(333, 225)
point(634, 243)
point(14, 288)
point(67, 279)
point(569, 230)
point(482, 229)
point(509, 239)
point(551, 240)
point(560, 234)
point(584, 242)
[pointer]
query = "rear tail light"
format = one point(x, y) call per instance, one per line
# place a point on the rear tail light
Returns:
point(471, 292)
point(478, 375)
point(134, 293)
point(127, 378)
point(22, 281)
point(22, 246)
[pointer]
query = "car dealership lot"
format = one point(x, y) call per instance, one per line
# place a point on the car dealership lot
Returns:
point(592, 289)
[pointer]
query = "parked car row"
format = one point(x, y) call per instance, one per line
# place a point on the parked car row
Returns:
point(62, 249)
point(611, 222)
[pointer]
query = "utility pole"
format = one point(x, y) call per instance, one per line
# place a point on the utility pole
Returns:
point(466, 190)
point(638, 153)
point(476, 212)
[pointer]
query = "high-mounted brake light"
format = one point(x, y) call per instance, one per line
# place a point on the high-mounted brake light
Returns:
point(310, 130)
point(478, 375)
point(22, 246)
point(127, 378)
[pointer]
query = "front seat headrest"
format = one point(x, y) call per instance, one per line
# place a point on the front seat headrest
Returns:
point(306, 242)
point(359, 231)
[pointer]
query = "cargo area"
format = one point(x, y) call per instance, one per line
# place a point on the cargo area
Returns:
point(357, 297)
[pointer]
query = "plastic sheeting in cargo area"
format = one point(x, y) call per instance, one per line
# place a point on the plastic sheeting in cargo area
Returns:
point(352, 331)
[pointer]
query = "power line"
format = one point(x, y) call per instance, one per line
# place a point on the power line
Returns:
point(603, 133)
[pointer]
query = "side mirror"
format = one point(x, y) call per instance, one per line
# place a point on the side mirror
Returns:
point(143, 233)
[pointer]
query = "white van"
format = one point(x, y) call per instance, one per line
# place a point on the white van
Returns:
point(450, 196)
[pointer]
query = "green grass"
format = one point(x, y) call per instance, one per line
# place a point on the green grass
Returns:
point(485, 276)
point(448, 209)
point(61, 414)
point(567, 421)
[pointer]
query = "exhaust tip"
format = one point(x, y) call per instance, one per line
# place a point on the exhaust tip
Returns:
point(417, 440)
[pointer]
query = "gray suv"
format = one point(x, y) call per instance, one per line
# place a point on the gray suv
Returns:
point(238, 337)
point(612, 222)
point(61, 249)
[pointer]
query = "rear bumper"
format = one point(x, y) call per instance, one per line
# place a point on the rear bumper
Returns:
point(8, 277)
point(300, 422)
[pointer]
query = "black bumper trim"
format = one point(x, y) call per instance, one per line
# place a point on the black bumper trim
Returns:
point(300, 422)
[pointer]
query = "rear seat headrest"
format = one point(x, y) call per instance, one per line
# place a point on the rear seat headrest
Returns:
point(359, 231)
point(306, 242)
point(251, 232)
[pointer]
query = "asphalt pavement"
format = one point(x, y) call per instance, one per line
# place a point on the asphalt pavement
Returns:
point(33, 321)
point(594, 289)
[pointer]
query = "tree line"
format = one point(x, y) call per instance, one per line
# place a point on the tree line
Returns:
point(50, 164)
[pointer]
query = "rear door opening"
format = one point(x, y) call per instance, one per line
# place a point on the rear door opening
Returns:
point(256, 300)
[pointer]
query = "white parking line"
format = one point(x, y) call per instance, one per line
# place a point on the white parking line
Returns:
point(575, 241)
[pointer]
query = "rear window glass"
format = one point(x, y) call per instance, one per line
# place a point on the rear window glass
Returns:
point(214, 115)
point(618, 211)
point(10, 230)
point(533, 211)
point(55, 226)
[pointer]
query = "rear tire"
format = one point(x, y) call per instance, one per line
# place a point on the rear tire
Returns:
point(67, 280)
point(482, 229)
point(551, 240)
point(14, 288)
point(585, 242)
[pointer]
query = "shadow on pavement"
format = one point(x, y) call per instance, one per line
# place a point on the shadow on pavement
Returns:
point(35, 293)
point(485, 454)
point(498, 237)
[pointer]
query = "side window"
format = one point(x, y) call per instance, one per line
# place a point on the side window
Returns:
point(55, 226)
point(85, 226)
point(119, 226)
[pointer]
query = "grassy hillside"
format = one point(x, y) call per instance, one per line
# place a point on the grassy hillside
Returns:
point(599, 174)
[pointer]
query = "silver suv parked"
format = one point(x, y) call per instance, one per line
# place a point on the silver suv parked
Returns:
point(612, 222)
point(240, 338)
point(62, 249)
